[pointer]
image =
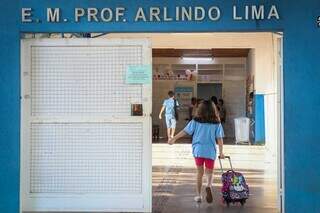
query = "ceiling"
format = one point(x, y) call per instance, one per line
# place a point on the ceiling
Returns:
point(200, 52)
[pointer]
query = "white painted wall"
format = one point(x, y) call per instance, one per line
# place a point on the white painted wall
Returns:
point(251, 63)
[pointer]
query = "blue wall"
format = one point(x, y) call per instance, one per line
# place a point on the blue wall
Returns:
point(9, 106)
point(259, 120)
point(301, 80)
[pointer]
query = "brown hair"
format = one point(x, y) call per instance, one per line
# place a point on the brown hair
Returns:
point(207, 113)
point(170, 94)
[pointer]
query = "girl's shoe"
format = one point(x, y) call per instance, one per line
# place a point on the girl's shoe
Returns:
point(209, 197)
point(198, 199)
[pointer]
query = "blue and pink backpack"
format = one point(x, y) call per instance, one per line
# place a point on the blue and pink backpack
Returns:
point(234, 187)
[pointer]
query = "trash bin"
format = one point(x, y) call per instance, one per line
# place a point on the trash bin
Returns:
point(242, 129)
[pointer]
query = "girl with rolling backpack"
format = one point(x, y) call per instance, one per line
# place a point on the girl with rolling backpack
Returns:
point(206, 131)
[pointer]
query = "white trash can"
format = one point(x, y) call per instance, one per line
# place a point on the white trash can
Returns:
point(242, 129)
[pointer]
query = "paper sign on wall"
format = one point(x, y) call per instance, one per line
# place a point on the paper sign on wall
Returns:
point(184, 95)
point(139, 74)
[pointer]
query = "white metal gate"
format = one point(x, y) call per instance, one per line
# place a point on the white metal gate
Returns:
point(81, 150)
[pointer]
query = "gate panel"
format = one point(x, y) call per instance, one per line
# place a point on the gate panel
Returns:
point(72, 80)
point(81, 150)
point(86, 158)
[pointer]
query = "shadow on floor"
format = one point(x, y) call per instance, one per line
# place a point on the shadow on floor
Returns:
point(174, 189)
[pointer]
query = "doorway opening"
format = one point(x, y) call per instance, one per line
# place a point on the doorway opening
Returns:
point(205, 90)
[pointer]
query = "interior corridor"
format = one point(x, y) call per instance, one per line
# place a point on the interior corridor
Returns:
point(174, 177)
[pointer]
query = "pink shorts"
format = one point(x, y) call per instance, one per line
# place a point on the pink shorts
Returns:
point(209, 163)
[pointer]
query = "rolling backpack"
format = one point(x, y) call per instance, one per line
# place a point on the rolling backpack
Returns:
point(234, 187)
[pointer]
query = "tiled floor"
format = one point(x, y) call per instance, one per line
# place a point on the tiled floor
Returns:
point(174, 180)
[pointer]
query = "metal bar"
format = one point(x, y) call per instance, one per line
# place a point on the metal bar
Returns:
point(229, 163)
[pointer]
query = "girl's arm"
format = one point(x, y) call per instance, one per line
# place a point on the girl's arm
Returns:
point(178, 136)
point(220, 143)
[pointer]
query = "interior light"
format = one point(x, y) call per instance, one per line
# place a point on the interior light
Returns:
point(197, 58)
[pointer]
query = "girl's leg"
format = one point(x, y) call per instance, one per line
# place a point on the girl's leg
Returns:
point(173, 127)
point(172, 132)
point(209, 196)
point(209, 175)
point(168, 123)
point(200, 172)
point(169, 133)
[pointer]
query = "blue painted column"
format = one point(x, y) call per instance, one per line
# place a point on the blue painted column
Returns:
point(9, 106)
point(260, 137)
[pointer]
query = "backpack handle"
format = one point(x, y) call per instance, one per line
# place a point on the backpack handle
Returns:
point(228, 157)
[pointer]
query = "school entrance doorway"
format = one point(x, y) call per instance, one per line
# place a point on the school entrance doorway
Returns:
point(83, 149)
point(242, 69)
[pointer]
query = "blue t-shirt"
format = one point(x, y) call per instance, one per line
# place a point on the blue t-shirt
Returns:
point(204, 137)
point(169, 105)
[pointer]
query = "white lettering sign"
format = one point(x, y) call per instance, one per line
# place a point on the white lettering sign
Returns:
point(92, 14)
point(53, 15)
point(106, 14)
point(255, 12)
point(153, 14)
point(26, 15)
point(199, 13)
point(140, 16)
point(78, 12)
point(273, 13)
point(119, 13)
point(165, 15)
point(214, 13)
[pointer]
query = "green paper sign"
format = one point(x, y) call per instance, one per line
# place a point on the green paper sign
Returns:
point(139, 74)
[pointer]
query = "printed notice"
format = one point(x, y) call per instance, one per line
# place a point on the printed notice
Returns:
point(139, 74)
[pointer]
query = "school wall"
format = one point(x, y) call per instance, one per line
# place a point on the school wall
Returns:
point(9, 107)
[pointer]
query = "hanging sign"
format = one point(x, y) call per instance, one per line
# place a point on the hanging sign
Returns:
point(184, 95)
point(139, 74)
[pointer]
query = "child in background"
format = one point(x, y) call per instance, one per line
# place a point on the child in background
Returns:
point(170, 106)
point(192, 108)
point(206, 130)
point(222, 111)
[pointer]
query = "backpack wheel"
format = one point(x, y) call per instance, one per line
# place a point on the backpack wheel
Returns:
point(228, 204)
point(242, 202)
